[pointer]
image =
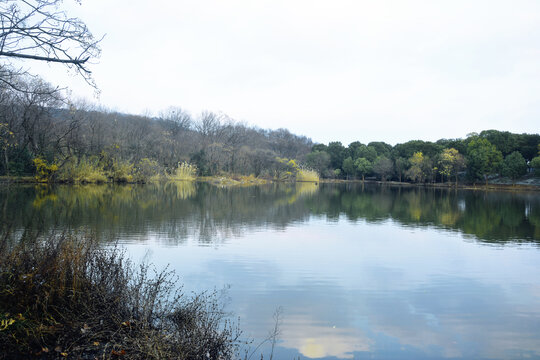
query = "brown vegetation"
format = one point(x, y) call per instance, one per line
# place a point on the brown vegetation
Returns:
point(65, 296)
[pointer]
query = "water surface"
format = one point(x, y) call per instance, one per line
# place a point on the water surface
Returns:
point(359, 272)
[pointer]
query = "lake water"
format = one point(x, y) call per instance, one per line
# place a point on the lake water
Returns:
point(370, 272)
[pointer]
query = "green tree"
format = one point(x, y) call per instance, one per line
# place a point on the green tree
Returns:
point(353, 147)
point(363, 167)
point(348, 167)
point(457, 144)
point(451, 162)
point(504, 141)
point(383, 167)
point(367, 152)
point(381, 148)
point(514, 166)
point(401, 165)
point(406, 150)
point(318, 160)
point(337, 154)
point(483, 159)
point(416, 172)
point(535, 164)
point(319, 147)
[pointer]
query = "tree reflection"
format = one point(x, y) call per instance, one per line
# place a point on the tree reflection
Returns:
point(181, 210)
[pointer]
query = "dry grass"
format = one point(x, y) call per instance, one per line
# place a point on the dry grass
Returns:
point(306, 175)
point(184, 172)
point(229, 180)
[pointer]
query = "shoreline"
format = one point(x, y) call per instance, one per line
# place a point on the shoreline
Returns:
point(237, 180)
point(460, 186)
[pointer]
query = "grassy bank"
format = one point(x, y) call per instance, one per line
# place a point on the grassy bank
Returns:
point(219, 180)
point(17, 179)
point(449, 185)
point(63, 296)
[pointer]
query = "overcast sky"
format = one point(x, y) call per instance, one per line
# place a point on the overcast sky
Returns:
point(331, 70)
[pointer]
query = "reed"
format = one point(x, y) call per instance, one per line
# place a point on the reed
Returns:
point(307, 175)
point(184, 172)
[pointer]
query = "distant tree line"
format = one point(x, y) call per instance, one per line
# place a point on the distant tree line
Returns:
point(473, 159)
point(40, 129)
point(42, 132)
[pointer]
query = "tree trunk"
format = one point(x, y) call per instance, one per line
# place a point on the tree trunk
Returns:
point(6, 161)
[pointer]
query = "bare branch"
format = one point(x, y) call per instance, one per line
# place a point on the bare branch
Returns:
point(45, 58)
point(38, 30)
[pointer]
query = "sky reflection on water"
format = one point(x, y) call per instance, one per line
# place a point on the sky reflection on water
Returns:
point(360, 272)
point(358, 290)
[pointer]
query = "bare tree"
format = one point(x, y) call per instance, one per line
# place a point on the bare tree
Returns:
point(210, 128)
point(40, 30)
point(180, 120)
point(35, 121)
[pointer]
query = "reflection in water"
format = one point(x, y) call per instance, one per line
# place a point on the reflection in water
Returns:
point(181, 190)
point(212, 213)
point(361, 272)
point(317, 341)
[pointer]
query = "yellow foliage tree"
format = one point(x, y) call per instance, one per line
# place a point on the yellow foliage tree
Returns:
point(44, 171)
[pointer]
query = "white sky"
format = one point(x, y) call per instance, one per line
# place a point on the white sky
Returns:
point(340, 70)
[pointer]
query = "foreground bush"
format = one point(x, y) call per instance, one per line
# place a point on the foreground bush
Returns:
point(66, 297)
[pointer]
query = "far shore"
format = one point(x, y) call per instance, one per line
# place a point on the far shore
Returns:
point(233, 180)
point(447, 185)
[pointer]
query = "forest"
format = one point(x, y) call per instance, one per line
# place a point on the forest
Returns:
point(478, 157)
point(44, 134)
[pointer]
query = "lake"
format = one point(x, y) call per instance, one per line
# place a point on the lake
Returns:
point(354, 272)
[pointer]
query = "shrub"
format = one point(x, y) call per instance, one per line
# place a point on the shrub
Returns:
point(65, 295)
point(147, 170)
point(44, 172)
point(121, 171)
point(307, 175)
point(285, 169)
point(85, 170)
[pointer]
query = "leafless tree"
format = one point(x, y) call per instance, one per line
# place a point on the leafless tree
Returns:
point(40, 30)
point(210, 128)
point(35, 121)
point(179, 119)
